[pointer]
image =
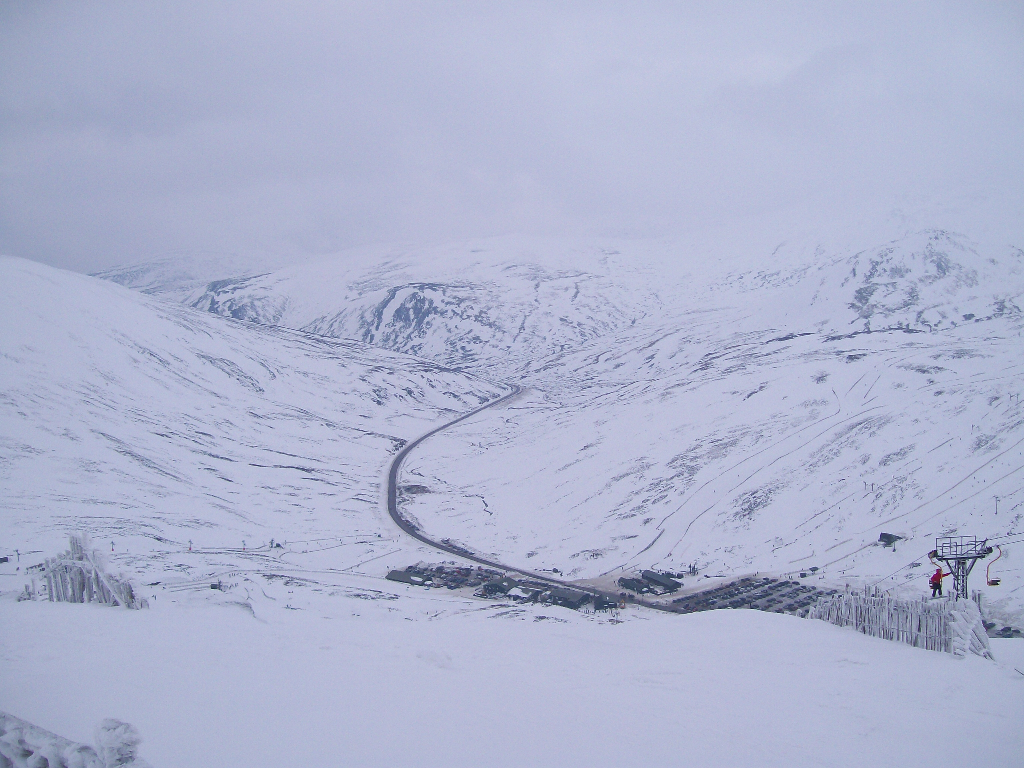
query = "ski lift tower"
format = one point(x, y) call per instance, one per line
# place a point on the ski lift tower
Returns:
point(960, 553)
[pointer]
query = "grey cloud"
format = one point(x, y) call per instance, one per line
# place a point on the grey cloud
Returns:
point(131, 130)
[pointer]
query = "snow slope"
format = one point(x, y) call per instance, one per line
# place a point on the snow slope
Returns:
point(750, 414)
point(445, 682)
point(495, 306)
point(512, 303)
point(781, 424)
point(149, 425)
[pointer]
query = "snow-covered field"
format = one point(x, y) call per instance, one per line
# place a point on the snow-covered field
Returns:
point(771, 419)
point(430, 681)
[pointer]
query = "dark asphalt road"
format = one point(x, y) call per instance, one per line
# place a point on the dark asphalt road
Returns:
point(412, 530)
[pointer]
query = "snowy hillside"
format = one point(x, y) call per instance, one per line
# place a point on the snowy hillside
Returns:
point(926, 281)
point(752, 452)
point(180, 275)
point(512, 302)
point(495, 306)
point(775, 418)
point(779, 423)
point(736, 422)
point(150, 425)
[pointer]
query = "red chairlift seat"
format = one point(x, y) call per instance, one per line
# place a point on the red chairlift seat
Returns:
point(988, 578)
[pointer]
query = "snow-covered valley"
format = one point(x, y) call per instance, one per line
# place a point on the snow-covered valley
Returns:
point(237, 434)
point(773, 419)
point(511, 384)
point(182, 444)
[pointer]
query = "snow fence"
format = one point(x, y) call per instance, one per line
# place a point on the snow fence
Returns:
point(952, 626)
point(23, 745)
point(75, 577)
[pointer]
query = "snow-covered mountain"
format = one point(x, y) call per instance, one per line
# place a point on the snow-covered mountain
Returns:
point(774, 418)
point(179, 275)
point(505, 303)
point(756, 451)
point(514, 303)
point(147, 422)
point(925, 281)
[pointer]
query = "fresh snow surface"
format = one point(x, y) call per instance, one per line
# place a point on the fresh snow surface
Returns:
point(725, 415)
point(430, 680)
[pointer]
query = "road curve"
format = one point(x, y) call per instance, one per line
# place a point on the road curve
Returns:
point(412, 530)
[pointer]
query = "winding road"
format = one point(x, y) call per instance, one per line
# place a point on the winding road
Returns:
point(416, 533)
point(452, 549)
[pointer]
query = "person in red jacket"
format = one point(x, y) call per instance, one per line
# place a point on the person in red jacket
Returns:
point(936, 582)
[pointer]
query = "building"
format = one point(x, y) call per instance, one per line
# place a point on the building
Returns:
point(567, 598)
point(499, 586)
point(409, 577)
point(660, 581)
point(634, 585)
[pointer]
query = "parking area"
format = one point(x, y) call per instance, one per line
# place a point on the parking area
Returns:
point(491, 584)
point(762, 594)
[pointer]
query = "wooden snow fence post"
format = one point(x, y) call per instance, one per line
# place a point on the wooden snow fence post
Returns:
point(75, 578)
point(950, 626)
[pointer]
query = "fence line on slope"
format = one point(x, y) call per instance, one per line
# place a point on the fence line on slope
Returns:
point(74, 577)
point(948, 625)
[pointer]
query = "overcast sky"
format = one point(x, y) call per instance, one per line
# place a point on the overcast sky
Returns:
point(130, 131)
